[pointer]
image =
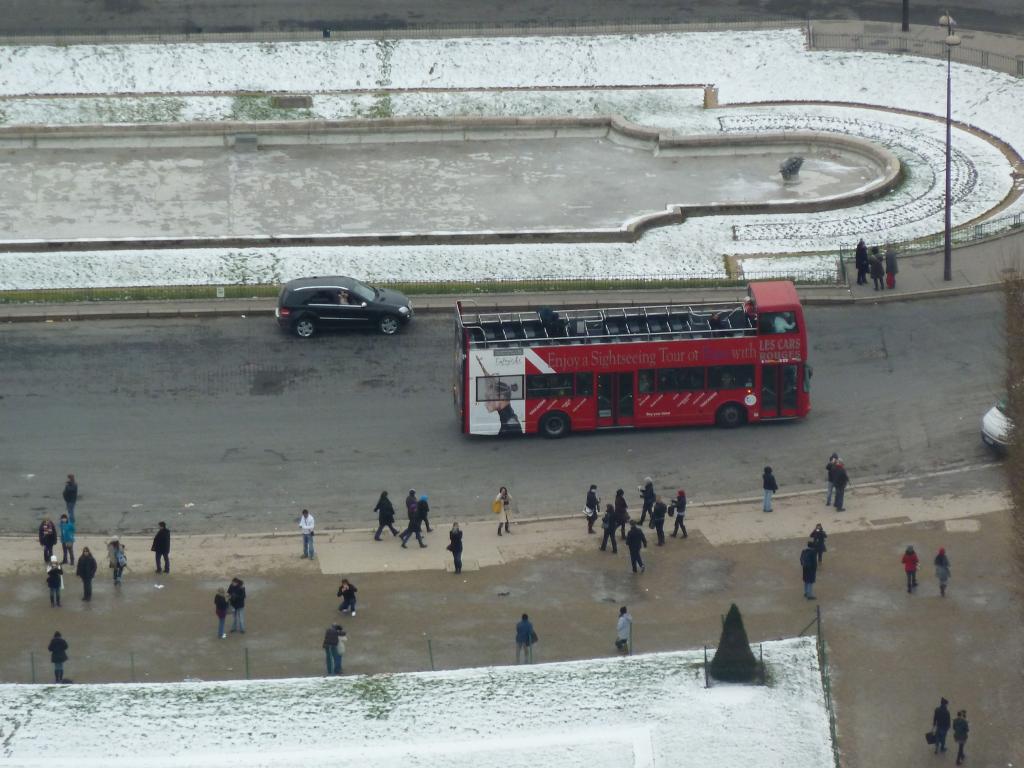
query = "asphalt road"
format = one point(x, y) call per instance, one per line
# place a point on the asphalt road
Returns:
point(229, 424)
point(179, 16)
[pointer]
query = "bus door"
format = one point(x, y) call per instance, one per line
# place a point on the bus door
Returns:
point(615, 399)
point(780, 390)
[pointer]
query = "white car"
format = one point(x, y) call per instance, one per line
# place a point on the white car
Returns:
point(996, 427)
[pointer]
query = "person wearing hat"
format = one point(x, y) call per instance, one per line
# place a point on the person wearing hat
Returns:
point(423, 512)
point(415, 521)
point(942, 571)
point(55, 581)
point(679, 509)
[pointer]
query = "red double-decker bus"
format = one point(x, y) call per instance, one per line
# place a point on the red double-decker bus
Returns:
point(552, 372)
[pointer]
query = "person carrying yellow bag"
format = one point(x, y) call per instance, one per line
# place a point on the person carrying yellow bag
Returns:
point(500, 507)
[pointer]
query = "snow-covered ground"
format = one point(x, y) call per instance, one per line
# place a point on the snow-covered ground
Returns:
point(640, 712)
point(208, 82)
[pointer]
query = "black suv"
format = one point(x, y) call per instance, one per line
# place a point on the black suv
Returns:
point(311, 304)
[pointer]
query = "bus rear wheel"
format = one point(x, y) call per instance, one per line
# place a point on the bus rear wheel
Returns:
point(730, 416)
point(554, 425)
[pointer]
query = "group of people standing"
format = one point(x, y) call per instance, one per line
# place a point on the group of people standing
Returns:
point(617, 517)
point(883, 269)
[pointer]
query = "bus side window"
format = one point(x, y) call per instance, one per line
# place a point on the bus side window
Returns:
point(730, 376)
point(549, 385)
point(584, 384)
point(645, 381)
point(680, 379)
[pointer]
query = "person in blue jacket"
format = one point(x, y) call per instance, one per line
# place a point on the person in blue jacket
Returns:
point(525, 638)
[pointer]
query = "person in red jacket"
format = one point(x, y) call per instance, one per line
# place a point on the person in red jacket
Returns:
point(910, 567)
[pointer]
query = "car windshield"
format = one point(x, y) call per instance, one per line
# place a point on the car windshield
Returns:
point(364, 292)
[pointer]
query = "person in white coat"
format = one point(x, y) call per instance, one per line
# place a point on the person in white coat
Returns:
point(306, 524)
point(623, 630)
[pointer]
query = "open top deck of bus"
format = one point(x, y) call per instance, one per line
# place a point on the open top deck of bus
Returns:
point(623, 324)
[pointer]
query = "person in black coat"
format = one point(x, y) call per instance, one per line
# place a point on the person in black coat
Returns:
point(608, 524)
point(679, 510)
point(591, 506)
point(86, 571)
point(54, 581)
point(236, 599)
point(658, 513)
point(840, 478)
point(770, 486)
point(635, 539)
point(423, 512)
point(860, 260)
point(162, 547)
point(58, 649)
point(877, 269)
point(385, 516)
point(415, 521)
point(809, 565)
point(455, 546)
point(648, 495)
point(818, 537)
point(621, 512)
point(47, 538)
point(941, 723)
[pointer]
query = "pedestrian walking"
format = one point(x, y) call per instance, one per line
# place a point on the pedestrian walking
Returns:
point(347, 592)
point(86, 571)
point(47, 538)
point(162, 547)
point(67, 539)
point(621, 512)
point(840, 478)
point(526, 637)
point(942, 570)
point(960, 731)
point(809, 566)
point(58, 649)
point(891, 267)
point(236, 599)
point(608, 526)
point(413, 529)
point(70, 495)
point(636, 540)
point(940, 725)
point(54, 581)
point(220, 608)
point(860, 260)
point(910, 561)
point(590, 508)
point(817, 538)
point(658, 513)
point(385, 516)
point(876, 268)
point(117, 557)
point(831, 480)
point(455, 546)
point(678, 509)
point(770, 486)
point(500, 507)
point(423, 512)
point(411, 500)
point(333, 645)
point(307, 525)
point(648, 495)
point(623, 631)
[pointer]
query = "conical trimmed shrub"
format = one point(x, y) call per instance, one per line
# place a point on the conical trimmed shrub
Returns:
point(734, 662)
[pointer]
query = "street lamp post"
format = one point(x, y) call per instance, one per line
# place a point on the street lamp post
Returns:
point(952, 40)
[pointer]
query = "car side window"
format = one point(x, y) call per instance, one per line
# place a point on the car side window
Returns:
point(322, 297)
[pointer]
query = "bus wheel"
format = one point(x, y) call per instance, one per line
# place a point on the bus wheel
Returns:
point(554, 425)
point(730, 416)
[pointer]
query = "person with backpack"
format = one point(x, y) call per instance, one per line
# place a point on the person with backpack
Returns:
point(770, 486)
point(117, 557)
point(678, 509)
point(423, 512)
point(236, 599)
point(67, 540)
point(590, 508)
point(86, 571)
point(162, 547)
point(347, 593)
point(809, 566)
point(58, 649)
point(385, 516)
point(220, 609)
point(910, 561)
point(54, 581)
point(608, 525)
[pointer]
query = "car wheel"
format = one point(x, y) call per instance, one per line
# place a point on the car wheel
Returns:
point(305, 327)
point(389, 325)
point(730, 416)
point(554, 425)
